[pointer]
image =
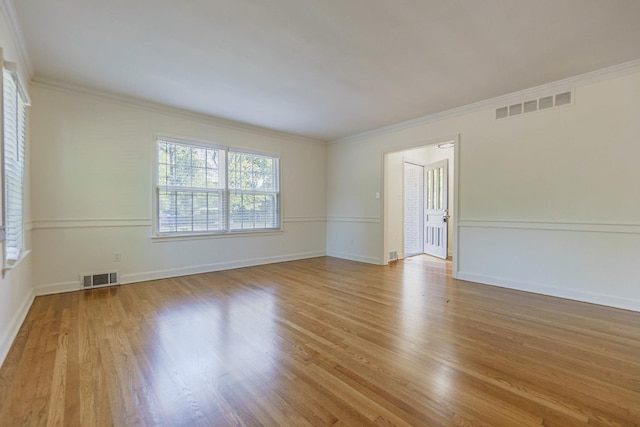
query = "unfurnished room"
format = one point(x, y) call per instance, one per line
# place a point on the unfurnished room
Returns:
point(320, 213)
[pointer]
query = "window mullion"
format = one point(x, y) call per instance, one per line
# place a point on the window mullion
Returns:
point(227, 194)
point(175, 213)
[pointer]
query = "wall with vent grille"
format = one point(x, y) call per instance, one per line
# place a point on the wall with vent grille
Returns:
point(547, 197)
point(99, 280)
point(115, 213)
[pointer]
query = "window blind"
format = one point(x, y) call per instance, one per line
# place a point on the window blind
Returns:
point(14, 128)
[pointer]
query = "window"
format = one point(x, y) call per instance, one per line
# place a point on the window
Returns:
point(206, 189)
point(14, 128)
point(191, 188)
point(253, 185)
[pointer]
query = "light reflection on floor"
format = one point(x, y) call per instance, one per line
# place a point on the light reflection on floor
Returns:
point(417, 323)
point(186, 354)
point(414, 293)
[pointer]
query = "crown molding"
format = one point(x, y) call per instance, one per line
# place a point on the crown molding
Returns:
point(612, 72)
point(9, 12)
point(169, 110)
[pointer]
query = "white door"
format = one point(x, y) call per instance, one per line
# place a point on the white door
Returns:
point(413, 209)
point(436, 215)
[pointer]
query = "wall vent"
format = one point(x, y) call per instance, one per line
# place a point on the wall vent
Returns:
point(530, 106)
point(503, 112)
point(533, 105)
point(546, 102)
point(99, 280)
point(393, 255)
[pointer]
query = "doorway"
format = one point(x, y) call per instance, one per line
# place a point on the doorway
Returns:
point(425, 209)
point(418, 202)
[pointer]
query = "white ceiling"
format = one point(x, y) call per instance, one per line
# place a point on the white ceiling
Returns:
point(323, 68)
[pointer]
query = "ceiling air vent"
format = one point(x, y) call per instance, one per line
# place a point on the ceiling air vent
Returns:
point(533, 105)
point(98, 280)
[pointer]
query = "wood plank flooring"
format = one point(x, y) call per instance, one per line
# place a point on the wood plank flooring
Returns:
point(321, 342)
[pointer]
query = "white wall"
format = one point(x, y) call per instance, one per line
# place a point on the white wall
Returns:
point(16, 293)
point(353, 210)
point(92, 161)
point(548, 201)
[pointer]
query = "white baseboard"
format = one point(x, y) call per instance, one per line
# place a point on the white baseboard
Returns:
point(14, 326)
point(355, 257)
point(207, 268)
point(537, 288)
point(56, 288)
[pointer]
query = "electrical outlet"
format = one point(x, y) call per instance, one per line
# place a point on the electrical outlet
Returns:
point(116, 257)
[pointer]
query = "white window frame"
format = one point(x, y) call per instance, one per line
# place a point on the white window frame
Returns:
point(15, 252)
point(227, 232)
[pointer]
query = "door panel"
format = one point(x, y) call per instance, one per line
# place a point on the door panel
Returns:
point(413, 209)
point(435, 213)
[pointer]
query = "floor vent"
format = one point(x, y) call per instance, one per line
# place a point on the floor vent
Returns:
point(533, 105)
point(98, 280)
point(393, 256)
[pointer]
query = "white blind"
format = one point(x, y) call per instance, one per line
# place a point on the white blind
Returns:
point(14, 116)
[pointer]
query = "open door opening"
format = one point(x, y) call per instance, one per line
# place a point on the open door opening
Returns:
point(418, 202)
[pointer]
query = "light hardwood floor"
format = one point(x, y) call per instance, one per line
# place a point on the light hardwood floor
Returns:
point(321, 342)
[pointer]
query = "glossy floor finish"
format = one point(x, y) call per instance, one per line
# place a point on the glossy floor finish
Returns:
point(321, 342)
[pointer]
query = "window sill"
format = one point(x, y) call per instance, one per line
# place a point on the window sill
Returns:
point(11, 265)
point(207, 236)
